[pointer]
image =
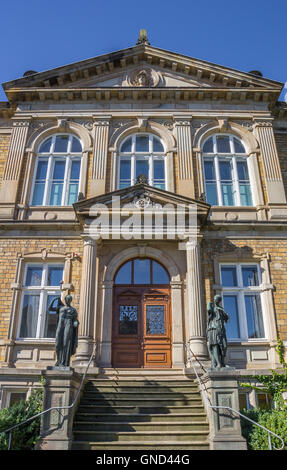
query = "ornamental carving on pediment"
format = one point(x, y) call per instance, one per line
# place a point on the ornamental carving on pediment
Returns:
point(145, 77)
point(142, 200)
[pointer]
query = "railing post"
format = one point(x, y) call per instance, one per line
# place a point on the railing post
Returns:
point(59, 391)
point(225, 427)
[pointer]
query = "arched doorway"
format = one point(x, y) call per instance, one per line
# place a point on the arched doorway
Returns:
point(142, 334)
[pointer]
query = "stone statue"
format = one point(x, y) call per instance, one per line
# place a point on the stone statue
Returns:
point(216, 334)
point(67, 330)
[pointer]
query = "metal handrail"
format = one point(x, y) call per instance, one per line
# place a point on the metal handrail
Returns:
point(214, 407)
point(53, 408)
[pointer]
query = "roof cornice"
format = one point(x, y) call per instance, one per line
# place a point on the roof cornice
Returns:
point(215, 75)
point(160, 94)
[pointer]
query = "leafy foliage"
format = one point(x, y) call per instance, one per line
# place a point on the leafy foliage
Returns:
point(274, 384)
point(24, 437)
point(274, 420)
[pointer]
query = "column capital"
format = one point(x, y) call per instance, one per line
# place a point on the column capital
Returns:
point(176, 284)
point(89, 241)
point(182, 120)
point(101, 120)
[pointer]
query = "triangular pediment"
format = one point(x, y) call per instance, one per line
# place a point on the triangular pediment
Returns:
point(139, 197)
point(142, 66)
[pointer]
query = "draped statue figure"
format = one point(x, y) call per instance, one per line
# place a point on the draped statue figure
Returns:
point(67, 330)
point(216, 333)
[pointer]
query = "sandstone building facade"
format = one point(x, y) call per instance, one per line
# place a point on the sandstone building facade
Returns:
point(205, 136)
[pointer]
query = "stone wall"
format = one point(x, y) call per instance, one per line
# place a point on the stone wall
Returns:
point(277, 250)
point(9, 253)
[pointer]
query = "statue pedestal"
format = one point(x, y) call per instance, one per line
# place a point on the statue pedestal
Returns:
point(61, 385)
point(225, 429)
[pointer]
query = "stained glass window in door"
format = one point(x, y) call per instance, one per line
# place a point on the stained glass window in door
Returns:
point(128, 321)
point(155, 321)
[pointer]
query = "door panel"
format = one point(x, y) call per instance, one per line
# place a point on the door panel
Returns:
point(127, 329)
point(157, 330)
point(141, 327)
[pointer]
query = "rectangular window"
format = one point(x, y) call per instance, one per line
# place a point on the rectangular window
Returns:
point(41, 286)
point(242, 301)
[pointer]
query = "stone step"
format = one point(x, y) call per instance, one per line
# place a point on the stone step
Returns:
point(138, 401)
point(132, 427)
point(91, 387)
point(162, 395)
point(135, 445)
point(139, 409)
point(142, 374)
point(140, 418)
point(140, 436)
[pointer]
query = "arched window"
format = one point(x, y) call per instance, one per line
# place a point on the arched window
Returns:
point(142, 271)
point(57, 172)
point(226, 171)
point(142, 154)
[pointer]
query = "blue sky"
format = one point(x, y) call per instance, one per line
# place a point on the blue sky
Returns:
point(245, 35)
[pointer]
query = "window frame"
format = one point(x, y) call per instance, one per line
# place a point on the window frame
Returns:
point(232, 157)
point(149, 156)
point(240, 291)
point(132, 261)
point(43, 291)
point(52, 157)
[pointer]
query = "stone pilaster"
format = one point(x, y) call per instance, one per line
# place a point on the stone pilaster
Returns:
point(100, 155)
point(177, 324)
point(105, 345)
point(12, 172)
point(196, 311)
point(87, 302)
point(272, 171)
point(185, 162)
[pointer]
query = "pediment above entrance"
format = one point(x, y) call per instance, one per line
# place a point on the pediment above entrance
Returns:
point(144, 210)
point(139, 196)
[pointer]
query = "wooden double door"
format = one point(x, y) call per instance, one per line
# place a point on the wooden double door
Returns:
point(142, 335)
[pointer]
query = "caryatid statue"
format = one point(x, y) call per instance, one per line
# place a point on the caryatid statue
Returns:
point(67, 330)
point(216, 333)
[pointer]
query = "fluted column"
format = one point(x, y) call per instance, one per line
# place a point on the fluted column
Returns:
point(184, 153)
point(100, 155)
point(87, 302)
point(14, 162)
point(196, 311)
point(271, 165)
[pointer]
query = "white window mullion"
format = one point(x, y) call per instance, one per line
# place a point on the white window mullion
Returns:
point(218, 182)
point(150, 170)
point(236, 182)
point(243, 318)
point(47, 192)
point(133, 170)
point(67, 174)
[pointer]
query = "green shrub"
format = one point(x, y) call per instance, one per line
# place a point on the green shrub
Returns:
point(257, 438)
point(24, 437)
point(274, 420)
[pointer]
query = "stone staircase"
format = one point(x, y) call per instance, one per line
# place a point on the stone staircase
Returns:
point(128, 410)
